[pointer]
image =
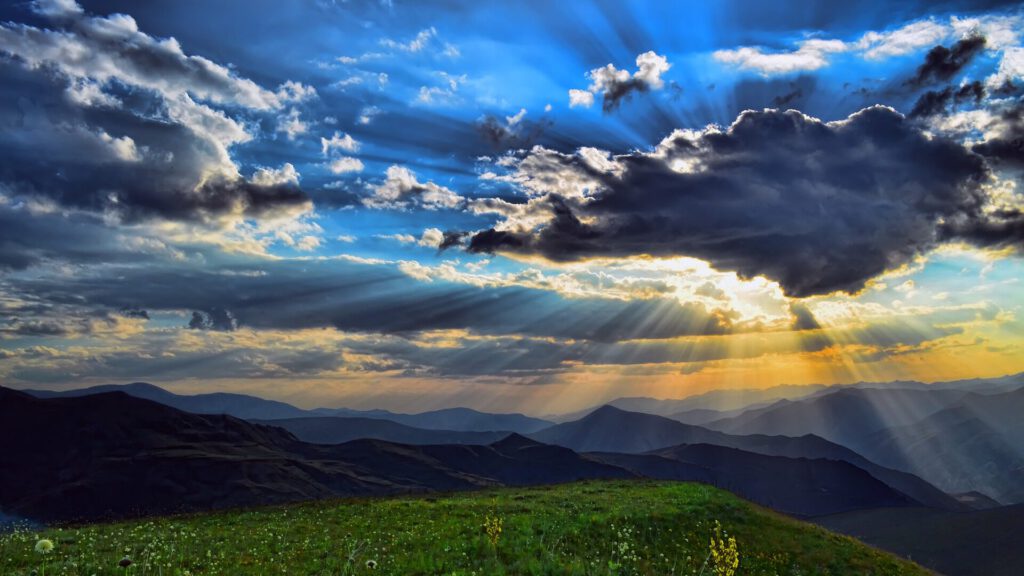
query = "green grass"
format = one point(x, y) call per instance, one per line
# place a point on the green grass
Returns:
point(630, 527)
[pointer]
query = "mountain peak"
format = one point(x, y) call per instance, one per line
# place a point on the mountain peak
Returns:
point(609, 410)
point(514, 441)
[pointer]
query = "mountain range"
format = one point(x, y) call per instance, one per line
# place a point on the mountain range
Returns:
point(111, 454)
point(892, 430)
point(255, 408)
point(957, 439)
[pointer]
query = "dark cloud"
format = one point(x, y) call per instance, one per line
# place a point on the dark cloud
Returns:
point(617, 91)
point(121, 160)
point(803, 319)
point(503, 135)
point(97, 115)
point(366, 298)
point(788, 98)
point(214, 319)
point(1007, 149)
point(941, 63)
point(450, 239)
point(935, 102)
point(137, 313)
point(818, 207)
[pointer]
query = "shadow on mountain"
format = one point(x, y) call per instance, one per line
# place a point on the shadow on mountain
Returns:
point(977, 543)
point(109, 455)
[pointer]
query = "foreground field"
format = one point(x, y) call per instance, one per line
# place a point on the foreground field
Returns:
point(627, 527)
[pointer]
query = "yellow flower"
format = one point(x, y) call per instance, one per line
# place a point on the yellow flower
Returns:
point(724, 553)
point(492, 526)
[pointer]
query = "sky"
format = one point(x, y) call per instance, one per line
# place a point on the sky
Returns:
point(525, 206)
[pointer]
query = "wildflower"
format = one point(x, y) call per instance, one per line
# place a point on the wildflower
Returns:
point(492, 526)
point(371, 564)
point(724, 552)
point(44, 546)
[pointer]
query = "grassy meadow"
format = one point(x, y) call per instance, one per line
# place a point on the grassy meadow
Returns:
point(624, 527)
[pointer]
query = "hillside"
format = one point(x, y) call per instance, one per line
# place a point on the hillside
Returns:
point(339, 429)
point(255, 408)
point(237, 405)
point(113, 455)
point(976, 444)
point(844, 415)
point(610, 429)
point(980, 543)
point(603, 528)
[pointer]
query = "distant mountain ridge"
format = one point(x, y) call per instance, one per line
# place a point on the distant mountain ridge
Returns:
point(111, 454)
point(340, 429)
point(254, 408)
point(958, 440)
point(612, 430)
point(799, 486)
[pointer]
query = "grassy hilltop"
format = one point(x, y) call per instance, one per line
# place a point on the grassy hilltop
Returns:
point(624, 527)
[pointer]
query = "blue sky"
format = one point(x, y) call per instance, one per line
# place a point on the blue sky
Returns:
point(527, 206)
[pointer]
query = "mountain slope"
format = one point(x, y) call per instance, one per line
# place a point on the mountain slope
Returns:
point(717, 400)
point(255, 408)
point(844, 416)
point(237, 405)
point(610, 429)
point(977, 444)
point(452, 419)
point(115, 455)
point(798, 486)
point(338, 429)
point(626, 527)
point(979, 543)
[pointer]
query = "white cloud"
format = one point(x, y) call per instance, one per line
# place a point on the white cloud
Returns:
point(292, 124)
point(113, 48)
point(442, 94)
point(810, 55)
point(367, 114)
point(417, 44)
point(292, 91)
point(650, 68)
point(1011, 68)
point(286, 174)
point(307, 243)
point(123, 148)
point(614, 84)
point(56, 8)
point(516, 118)
point(403, 238)
point(346, 82)
point(1000, 31)
point(339, 141)
point(88, 93)
point(400, 189)
point(580, 98)
point(903, 40)
point(345, 164)
point(431, 238)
